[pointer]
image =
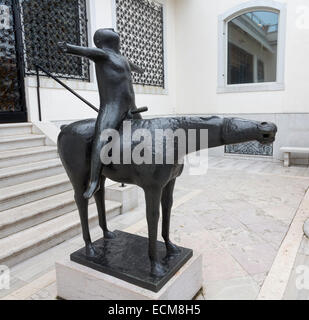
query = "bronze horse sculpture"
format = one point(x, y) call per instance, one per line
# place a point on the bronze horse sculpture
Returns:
point(157, 180)
point(79, 145)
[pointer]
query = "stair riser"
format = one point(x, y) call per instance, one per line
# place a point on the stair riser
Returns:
point(30, 176)
point(12, 145)
point(40, 218)
point(35, 195)
point(15, 131)
point(51, 242)
point(16, 161)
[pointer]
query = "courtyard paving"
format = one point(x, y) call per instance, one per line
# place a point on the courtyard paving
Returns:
point(237, 215)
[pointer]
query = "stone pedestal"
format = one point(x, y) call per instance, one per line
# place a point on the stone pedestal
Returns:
point(127, 196)
point(77, 282)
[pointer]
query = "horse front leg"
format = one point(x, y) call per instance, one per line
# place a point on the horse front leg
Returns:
point(153, 198)
point(100, 202)
point(167, 203)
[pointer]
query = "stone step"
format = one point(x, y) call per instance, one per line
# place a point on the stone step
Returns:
point(11, 129)
point(21, 141)
point(31, 214)
point(28, 155)
point(14, 196)
point(30, 242)
point(29, 172)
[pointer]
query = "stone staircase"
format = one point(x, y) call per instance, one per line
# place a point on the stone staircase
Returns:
point(37, 208)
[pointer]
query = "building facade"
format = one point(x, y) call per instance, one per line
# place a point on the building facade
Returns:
point(229, 58)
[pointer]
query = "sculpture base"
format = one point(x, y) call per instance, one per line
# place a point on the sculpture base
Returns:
point(126, 258)
point(77, 282)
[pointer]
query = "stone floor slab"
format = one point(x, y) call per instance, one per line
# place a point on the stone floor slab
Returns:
point(298, 285)
point(232, 289)
point(306, 228)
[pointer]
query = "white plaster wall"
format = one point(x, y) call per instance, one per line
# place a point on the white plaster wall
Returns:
point(197, 54)
point(59, 105)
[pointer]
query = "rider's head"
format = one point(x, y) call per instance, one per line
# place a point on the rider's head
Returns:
point(107, 38)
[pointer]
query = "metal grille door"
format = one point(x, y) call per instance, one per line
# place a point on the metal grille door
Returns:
point(12, 97)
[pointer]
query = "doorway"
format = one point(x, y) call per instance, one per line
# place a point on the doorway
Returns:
point(12, 89)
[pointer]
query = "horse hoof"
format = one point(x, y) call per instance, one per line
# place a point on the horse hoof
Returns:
point(109, 235)
point(92, 251)
point(158, 270)
point(172, 250)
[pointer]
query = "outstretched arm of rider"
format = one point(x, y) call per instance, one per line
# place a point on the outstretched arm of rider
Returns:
point(136, 68)
point(90, 53)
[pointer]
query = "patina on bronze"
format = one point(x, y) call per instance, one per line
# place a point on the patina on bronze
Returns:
point(157, 180)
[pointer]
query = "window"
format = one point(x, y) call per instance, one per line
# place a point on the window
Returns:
point(240, 65)
point(251, 48)
point(260, 71)
point(47, 22)
point(252, 43)
point(140, 25)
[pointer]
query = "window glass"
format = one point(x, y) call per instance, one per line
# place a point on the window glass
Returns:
point(252, 47)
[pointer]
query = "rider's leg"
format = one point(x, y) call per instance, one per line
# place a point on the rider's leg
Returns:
point(96, 164)
point(109, 118)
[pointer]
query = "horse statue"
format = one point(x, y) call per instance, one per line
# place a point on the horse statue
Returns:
point(156, 179)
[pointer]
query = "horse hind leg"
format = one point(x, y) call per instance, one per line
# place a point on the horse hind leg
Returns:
point(82, 206)
point(100, 202)
point(167, 203)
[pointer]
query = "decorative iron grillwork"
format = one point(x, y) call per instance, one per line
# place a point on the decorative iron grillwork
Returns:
point(250, 148)
point(47, 22)
point(140, 25)
point(10, 86)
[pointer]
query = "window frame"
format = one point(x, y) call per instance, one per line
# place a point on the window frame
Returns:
point(223, 20)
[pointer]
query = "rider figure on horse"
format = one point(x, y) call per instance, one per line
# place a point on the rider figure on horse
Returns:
point(116, 92)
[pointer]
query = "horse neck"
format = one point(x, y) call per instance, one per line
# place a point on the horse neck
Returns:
point(207, 131)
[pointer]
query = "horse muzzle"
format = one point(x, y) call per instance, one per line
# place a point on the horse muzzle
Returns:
point(267, 132)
